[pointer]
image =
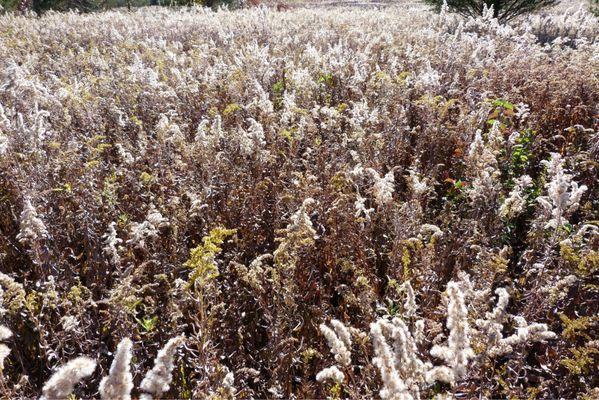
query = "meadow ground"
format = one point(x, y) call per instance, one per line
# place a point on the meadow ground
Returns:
point(326, 202)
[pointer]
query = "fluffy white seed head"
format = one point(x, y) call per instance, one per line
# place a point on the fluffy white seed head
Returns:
point(393, 384)
point(62, 383)
point(111, 241)
point(338, 346)
point(331, 373)
point(119, 383)
point(563, 194)
point(383, 188)
point(457, 352)
point(158, 379)
point(342, 332)
point(32, 227)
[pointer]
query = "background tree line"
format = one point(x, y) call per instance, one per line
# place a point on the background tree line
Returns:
point(504, 10)
point(94, 5)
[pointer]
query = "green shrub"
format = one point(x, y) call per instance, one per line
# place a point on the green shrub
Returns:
point(503, 10)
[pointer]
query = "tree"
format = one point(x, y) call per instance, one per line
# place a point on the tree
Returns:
point(504, 10)
point(594, 7)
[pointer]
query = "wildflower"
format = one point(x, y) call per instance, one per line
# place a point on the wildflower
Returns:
point(13, 295)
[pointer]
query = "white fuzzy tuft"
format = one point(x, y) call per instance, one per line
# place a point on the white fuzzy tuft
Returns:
point(158, 379)
point(62, 383)
point(119, 383)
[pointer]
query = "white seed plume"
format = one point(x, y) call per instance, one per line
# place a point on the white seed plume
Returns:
point(202, 131)
point(5, 333)
point(158, 379)
point(32, 227)
point(119, 382)
point(229, 383)
point(433, 230)
point(331, 373)
point(524, 334)
point(3, 144)
point(124, 154)
point(342, 332)
point(482, 161)
point(360, 206)
point(406, 353)
point(300, 220)
point(338, 346)
point(419, 335)
point(155, 218)
point(418, 186)
point(62, 383)
point(111, 241)
point(515, 202)
point(4, 352)
point(410, 307)
point(383, 188)
point(69, 323)
point(147, 229)
point(457, 352)
point(393, 386)
point(492, 326)
point(563, 194)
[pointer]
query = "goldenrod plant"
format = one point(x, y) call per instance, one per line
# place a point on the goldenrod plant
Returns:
point(327, 201)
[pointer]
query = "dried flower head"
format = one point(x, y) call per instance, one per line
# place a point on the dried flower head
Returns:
point(157, 381)
point(62, 383)
point(119, 383)
point(32, 227)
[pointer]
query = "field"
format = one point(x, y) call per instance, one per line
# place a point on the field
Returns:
point(324, 202)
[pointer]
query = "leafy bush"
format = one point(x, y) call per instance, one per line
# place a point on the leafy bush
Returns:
point(504, 10)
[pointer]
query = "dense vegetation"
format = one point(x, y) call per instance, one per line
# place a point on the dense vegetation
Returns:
point(317, 203)
point(503, 10)
point(40, 6)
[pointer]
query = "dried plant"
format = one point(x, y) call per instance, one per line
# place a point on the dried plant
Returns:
point(63, 381)
point(157, 380)
point(405, 194)
point(119, 383)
